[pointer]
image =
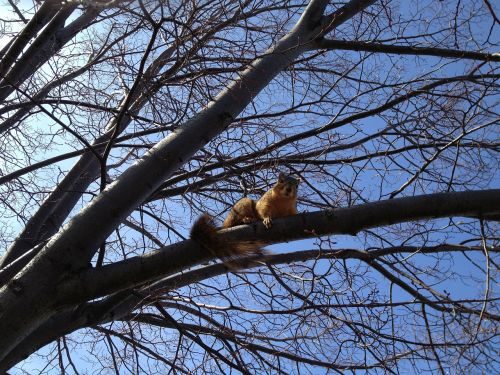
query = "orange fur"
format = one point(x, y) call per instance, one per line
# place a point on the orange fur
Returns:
point(280, 200)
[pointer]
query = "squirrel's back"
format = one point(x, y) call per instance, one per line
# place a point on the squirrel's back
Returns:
point(243, 212)
point(205, 233)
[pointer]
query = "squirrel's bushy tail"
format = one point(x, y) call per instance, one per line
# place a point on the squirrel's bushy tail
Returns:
point(205, 233)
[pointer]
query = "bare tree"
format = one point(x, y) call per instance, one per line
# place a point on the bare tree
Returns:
point(123, 121)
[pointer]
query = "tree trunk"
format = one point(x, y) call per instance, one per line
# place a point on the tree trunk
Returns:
point(74, 245)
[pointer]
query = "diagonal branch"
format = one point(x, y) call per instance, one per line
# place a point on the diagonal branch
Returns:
point(58, 204)
point(13, 49)
point(70, 250)
point(47, 44)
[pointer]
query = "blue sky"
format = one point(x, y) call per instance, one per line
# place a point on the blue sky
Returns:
point(369, 182)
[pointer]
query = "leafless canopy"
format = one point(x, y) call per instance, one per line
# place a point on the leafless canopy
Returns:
point(122, 121)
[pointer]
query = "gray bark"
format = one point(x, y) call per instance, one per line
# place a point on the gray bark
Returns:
point(39, 97)
point(406, 50)
point(48, 43)
point(14, 49)
point(134, 271)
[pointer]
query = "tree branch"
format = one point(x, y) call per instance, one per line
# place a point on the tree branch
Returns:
point(404, 50)
point(131, 272)
point(10, 53)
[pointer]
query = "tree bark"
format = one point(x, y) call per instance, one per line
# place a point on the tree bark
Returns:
point(406, 50)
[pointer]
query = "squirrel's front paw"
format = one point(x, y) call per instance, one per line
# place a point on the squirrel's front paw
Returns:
point(267, 222)
point(247, 220)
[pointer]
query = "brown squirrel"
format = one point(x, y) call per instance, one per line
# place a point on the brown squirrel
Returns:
point(280, 200)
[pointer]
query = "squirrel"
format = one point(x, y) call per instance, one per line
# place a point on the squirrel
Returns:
point(280, 200)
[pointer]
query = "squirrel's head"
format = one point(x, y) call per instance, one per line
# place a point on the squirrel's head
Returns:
point(286, 186)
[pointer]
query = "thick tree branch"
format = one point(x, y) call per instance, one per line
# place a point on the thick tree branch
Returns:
point(242, 110)
point(16, 46)
point(118, 306)
point(48, 43)
point(40, 96)
point(134, 271)
point(56, 207)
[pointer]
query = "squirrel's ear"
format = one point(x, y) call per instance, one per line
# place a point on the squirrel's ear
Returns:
point(281, 175)
point(299, 180)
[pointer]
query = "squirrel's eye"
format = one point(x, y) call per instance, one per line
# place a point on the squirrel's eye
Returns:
point(281, 181)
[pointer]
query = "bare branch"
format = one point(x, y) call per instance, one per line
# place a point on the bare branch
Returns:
point(331, 44)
